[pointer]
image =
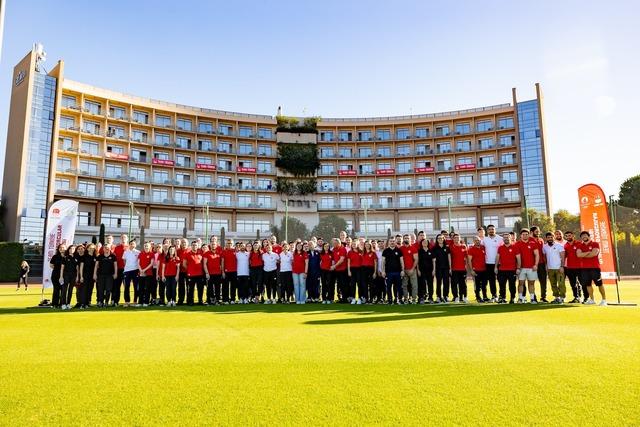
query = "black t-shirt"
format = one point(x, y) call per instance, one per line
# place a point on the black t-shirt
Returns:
point(392, 259)
point(105, 265)
point(56, 260)
point(88, 263)
point(425, 260)
point(70, 265)
point(441, 254)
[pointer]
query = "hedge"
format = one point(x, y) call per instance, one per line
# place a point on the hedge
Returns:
point(11, 254)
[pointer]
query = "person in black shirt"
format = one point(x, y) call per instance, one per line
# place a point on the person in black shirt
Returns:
point(24, 275)
point(56, 266)
point(79, 256)
point(393, 270)
point(426, 271)
point(87, 265)
point(442, 256)
point(69, 275)
point(104, 273)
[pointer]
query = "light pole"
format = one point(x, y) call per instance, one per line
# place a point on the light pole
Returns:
point(366, 222)
point(130, 218)
point(449, 212)
point(286, 220)
point(205, 214)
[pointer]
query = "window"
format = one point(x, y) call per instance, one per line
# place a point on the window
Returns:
point(63, 164)
point(404, 167)
point(161, 155)
point(326, 185)
point(87, 188)
point(92, 107)
point(183, 142)
point(385, 201)
point(224, 181)
point(62, 184)
point(224, 147)
point(506, 140)
point(326, 152)
point(89, 147)
point(442, 130)
point(445, 181)
point(462, 128)
point(183, 124)
point(163, 139)
point(245, 149)
point(466, 197)
point(203, 198)
point(444, 198)
point(91, 127)
point(223, 199)
point(383, 134)
point(264, 133)
point(183, 178)
point(465, 180)
point(485, 143)
point(327, 202)
point(345, 152)
point(251, 225)
point(264, 150)
point(326, 169)
point(117, 113)
point(112, 190)
point(404, 184)
point(65, 143)
point(366, 201)
point(346, 186)
point(326, 136)
point(88, 168)
point(160, 195)
point(511, 194)
point(224, 129)
point(182, 160)
point(365, 185)
point(509, 177)
point(505, 122)
point(181, 196)
point(410, 225)
point(67, 122)
point(204, 160)
point(205, 145)
point(345, 167)
point(384, 151)
point(215, 225)
point(484, 126)
point(163, 121)
point(161, 222)
point(205, 127)
point(490, 219)
point(138, 174)
point(203, 180)
point(68, 101)
point(365, 168)
point(264, 201)
point(487, 178)
point(141, 117)
point(422, 132)
point(264, 167)
point(487, 161)
point(424, 182)
point(385, 184)
point(116, 220)
point(264, 184)
point(245, 183)
point(402, 133)
point(405, 201)
point(425, 199)
point(345, 136)
point(463, 145)
point(465, 160)
point(459, 224)
point(510, 221)
point(508, 158)
point(139, 136)
point(160, 176)
point(489, 196)
point(365, 152)
point(444, 147)
point(84, 218)
point(115, 132)
point(346, 202)
point(444, 165)
point(404, 150)
point(377, 226)
point(364, 135)
point(136, 193)
point(224, 164)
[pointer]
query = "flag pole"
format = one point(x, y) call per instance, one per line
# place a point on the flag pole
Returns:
point(614, 231)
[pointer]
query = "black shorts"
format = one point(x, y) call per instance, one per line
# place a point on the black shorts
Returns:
point(588, 275)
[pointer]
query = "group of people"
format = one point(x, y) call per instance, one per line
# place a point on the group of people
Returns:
point(405, 269)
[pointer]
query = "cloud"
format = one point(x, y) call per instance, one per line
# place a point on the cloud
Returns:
point(605, 105)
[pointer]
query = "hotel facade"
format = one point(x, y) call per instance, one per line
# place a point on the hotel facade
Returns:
point(132, 162)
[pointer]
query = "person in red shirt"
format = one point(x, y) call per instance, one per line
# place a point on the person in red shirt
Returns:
point(326, 274)
point(255, 272)
point(300, 267)
point(410, 259)
point(183, 250)
point(507, 263)
point(118, 251)
point(529, 259)
point(146, 278)
point(212, 265)
point(339, 268)
point(275, 247)
point(458, 269)
point(229, 273)
point(542, 263)
point(588, 252)
point(192, 262)
point(170, 273)
point(476, 255)
point(368, 272)
point(354, 264)
point(573, 264)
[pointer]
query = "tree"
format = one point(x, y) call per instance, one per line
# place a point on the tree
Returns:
point(629, 195)
point(329, 226)
point(296, 229)
point(542, 221)
point(566, 221)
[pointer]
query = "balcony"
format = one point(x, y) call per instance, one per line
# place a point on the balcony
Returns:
point(121, 117)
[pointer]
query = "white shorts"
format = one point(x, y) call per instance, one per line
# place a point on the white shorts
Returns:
point(528, 274)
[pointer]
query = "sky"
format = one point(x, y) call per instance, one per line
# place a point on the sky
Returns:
point(361, 59)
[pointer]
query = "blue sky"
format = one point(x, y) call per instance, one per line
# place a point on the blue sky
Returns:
point(363, 59)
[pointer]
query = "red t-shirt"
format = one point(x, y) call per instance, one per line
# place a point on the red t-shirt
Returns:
point(298, 262)
point(355, 258)
point(369, 259)
point(118, 251)
point(255, 259)
point(589, 262)
point(540, 243)
point(325, 261)
point(337, 254)
point(571, 256)
point(508, 260)
point(214, 262)
point(276, 249)
point(407, 256)
point(101, 251)
point(182, 253)
point(458, 257)
point(230, 260)
point(478, 257)
point(171, 267)
point(194, 264)
point(144, 259)
point(526, 251)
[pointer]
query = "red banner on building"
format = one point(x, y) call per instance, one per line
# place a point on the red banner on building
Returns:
point(246, 170)
point(162, 162)
point(116, 156)
point(424, 170)
point(385, 171)
point(206, 166)
point(347, 172)
point(594, 218)
point(466, 166)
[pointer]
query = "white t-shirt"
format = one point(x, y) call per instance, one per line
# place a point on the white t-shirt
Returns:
point(553, 255)
point(270, 260)
point(379, 256)
point(243, 263)
point(491, 245)
point(130, 258)
point(286, 262)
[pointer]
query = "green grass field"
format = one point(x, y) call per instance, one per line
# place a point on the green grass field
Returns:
point(316, 364)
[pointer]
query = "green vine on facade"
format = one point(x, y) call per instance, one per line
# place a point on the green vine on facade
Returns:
point(292, 124)
point(292, 187)
point(298, 159)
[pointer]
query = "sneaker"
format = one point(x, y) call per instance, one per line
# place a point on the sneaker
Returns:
point(145, 305)
point(534, 300)
point(522, 300)
point(445, 300)
point(479, 300)
point(603, 303)
point(590, 302)
point(353, 301)
point(494, 299)
point(456, 299)
point(543, 299)
point(574, 301)
point(359, 301)
point(465, 300)
point(267, 302)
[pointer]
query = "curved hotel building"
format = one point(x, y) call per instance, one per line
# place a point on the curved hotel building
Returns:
point(157, 164)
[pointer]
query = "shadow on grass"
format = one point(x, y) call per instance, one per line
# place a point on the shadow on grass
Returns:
point(354, 313)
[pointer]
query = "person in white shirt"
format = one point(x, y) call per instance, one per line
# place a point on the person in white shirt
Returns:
point(554, 253)
point(285, 291)
point(131, 267)
point(491, 243)
point(269, 278)
point(242, 256)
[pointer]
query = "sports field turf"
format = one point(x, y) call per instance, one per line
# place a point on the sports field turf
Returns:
point(319, 365)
